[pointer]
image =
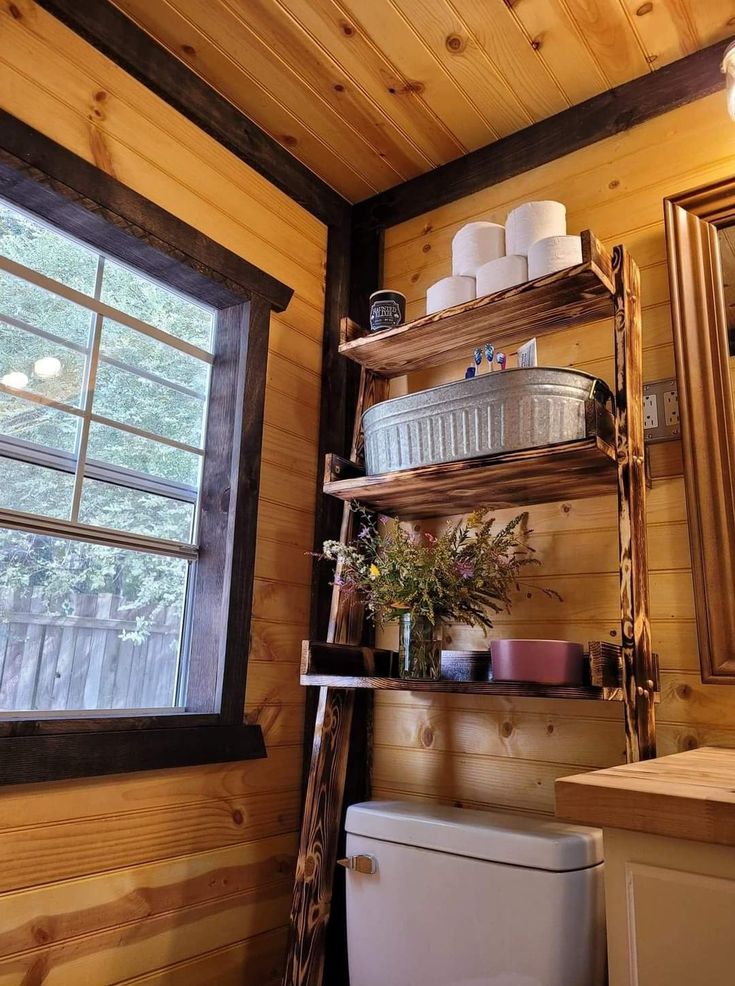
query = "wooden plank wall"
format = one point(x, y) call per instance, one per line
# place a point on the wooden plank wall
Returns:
point(182, 876)
point(487, 752)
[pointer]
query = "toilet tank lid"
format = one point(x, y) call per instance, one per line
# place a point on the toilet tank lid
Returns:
point(500, 837)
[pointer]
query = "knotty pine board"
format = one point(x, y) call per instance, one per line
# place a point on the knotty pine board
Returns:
point(256, 961)
point(122, 896)
point(376, 90)
point(616, 189)
point(253, 80)
point(158, 836)
point(188, 931)
point(622, 172)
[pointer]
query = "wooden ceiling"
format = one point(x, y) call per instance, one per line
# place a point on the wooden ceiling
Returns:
point(368, 93)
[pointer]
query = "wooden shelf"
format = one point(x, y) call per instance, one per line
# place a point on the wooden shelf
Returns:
point(570, 297)
point(343, 666)
point(567, 471)
point(510, 688)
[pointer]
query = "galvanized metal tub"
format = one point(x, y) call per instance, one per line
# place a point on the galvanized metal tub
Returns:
point(495, 412)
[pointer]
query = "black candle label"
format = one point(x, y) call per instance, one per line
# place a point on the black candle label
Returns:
point(384, 315)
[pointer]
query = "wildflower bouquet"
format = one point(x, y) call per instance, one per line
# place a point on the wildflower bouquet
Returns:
point(465, 575)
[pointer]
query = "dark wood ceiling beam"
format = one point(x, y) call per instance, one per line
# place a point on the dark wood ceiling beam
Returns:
point(130, 47)
point(610, 113)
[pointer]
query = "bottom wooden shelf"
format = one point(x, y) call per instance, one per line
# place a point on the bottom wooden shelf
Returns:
point(515, 689)
point(342, 666)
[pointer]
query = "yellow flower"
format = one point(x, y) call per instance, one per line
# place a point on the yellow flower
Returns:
point(374, 572)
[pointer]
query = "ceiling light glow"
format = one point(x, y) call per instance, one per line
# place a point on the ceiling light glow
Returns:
point(16, 380)
point(47, 367)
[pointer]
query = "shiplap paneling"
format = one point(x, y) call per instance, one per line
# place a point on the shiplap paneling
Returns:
point(178, 876)
point(369, 93)
point(484, 751)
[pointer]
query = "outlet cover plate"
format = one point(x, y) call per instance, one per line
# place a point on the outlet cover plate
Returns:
point(661, 411)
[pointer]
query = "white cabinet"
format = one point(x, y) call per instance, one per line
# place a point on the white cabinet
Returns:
point(670, 907)
point(669, 835)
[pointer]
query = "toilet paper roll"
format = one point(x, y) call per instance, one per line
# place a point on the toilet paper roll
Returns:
point(554, 253)
point(534, 221)
point(476, 244)
point(501, 274)
point(448, 292)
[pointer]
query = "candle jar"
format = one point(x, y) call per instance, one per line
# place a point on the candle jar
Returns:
point(387, 309)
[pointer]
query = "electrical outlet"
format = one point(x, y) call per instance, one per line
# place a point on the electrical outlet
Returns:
point(661, 422)
point(671, 409)
point(650, 412)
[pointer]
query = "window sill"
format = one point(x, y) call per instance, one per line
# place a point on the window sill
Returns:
point(33, 759)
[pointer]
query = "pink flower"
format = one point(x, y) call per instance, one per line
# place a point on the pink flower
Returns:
point(465, 569)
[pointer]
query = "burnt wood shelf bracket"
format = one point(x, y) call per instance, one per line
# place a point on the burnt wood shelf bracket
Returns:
point(609, 458)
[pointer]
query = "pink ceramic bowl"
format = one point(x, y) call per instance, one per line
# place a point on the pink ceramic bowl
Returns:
point(544, 662)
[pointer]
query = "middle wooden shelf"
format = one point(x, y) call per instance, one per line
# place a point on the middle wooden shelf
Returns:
point(568, 470)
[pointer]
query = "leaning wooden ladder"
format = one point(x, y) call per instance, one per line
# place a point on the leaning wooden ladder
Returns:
point(600, 286)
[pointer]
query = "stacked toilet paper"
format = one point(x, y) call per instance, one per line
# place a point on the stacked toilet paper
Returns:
point(448, 292)
point(487, 257)
point(505, 272)
point(474, 245)
point(553, 253)
point(534, 221)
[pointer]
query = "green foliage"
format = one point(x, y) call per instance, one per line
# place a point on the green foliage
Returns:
point(62, 572)
point(465, 575)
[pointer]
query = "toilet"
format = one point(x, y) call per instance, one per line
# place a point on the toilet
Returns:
point(450, 897)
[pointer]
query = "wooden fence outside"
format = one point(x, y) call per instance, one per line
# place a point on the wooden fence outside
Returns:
point(80, 661)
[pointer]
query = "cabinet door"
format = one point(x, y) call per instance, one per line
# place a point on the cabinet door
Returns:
point(670, 904)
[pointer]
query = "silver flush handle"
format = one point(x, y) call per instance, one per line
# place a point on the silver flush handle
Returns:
point(360, 864)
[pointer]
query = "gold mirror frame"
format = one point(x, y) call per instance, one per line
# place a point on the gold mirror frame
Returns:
point(693, 220)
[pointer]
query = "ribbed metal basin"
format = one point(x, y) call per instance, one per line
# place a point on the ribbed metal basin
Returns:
point(495, 412)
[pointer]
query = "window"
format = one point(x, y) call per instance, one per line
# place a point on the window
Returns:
point(104, 378)
point(133, 355)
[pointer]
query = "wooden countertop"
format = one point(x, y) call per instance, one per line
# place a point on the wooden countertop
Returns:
point(685, 796)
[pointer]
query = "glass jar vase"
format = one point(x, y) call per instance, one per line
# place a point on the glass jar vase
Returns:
point(419, 647)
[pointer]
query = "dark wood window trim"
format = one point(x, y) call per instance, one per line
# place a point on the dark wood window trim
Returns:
point(56, 185)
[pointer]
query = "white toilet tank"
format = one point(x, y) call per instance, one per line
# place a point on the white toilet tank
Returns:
point(472, 898)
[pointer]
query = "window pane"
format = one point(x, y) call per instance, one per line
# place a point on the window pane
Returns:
point(30, 422)
point(30, 363)
point(87, 627)
point(152, 303)
point(44, 310)
point(125, 396)
point(109, 505)
point(34, 245)
point(143, 353)
point(120, 448)
point(35, 490)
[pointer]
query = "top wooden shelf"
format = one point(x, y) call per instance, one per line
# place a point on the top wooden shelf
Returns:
point(570, 297)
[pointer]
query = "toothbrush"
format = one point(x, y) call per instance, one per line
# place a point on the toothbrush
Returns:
point(489, 353)
point(501, 360)
point(478, 358)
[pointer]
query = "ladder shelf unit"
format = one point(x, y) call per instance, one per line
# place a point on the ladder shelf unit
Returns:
point(609, 458)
